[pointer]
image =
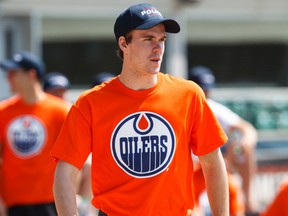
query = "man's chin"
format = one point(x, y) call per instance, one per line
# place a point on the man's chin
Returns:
point(153, 72)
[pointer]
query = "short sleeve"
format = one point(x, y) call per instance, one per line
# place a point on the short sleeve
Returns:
point(73, 144)
point(207, 134)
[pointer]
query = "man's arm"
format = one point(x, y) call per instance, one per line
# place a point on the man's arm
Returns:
point(215, 174)
point(248, 134)
point(64, 189)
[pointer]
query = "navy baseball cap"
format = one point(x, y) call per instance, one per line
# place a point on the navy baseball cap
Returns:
point(26, 61)
point(142, 16)
point(55, 80)
point(101, 77)
point(203, 76)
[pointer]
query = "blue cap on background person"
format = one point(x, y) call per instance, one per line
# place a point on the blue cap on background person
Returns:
point(142, 16)
point(101, 77)
point(55, 80)
point(203, 76)
point(24, 60)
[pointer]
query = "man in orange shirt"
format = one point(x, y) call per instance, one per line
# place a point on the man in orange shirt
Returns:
point(29, 125)
point(141, 127)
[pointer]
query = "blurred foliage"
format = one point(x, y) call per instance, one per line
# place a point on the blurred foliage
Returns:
point(262, 114)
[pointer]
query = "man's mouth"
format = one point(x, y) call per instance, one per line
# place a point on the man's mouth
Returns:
point(155, 60)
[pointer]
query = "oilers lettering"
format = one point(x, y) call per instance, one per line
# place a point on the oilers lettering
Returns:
point(148, 147)
point(146, 144)
point(29, 137)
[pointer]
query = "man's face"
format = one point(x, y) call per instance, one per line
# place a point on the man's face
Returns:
point(145, 51)
point(17, 79)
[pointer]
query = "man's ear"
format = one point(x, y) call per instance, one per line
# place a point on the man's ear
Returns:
point(32, 73)
point(122, 43)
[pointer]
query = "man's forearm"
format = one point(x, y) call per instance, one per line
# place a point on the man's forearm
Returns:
point(218, 194)
point(217, 184)
point(64, 192)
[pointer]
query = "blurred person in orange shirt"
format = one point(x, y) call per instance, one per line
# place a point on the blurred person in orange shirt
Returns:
point(58, 84)
point(236, 202)
point(2, 207)
point(279, 205)
point(29, 124)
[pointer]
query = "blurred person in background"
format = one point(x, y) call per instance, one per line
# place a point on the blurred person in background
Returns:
point(2, 206)
point(58, 84)
point(279, 205)
point(236, 202)
point(29, 124)
point(239, 150)
point(100, 78)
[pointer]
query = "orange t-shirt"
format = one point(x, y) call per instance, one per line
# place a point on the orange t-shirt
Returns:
point(279, 205)
point(141, 144)
point(236, 202)
point(2, 105)
point(27, 133)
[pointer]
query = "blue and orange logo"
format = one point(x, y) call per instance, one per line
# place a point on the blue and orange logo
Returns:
point(26, 136)
point(143, 144)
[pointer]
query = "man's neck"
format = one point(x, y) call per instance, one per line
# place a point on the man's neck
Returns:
point(33, 95)
point(137, 82)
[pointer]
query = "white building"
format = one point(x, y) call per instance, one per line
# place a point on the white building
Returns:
point(226, 35)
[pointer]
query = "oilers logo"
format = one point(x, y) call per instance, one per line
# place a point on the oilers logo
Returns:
point(26, 136)
point(143, 144)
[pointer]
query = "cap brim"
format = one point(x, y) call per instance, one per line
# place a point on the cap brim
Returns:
point(9, 65)
point(171, 26)
point(207, 86)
